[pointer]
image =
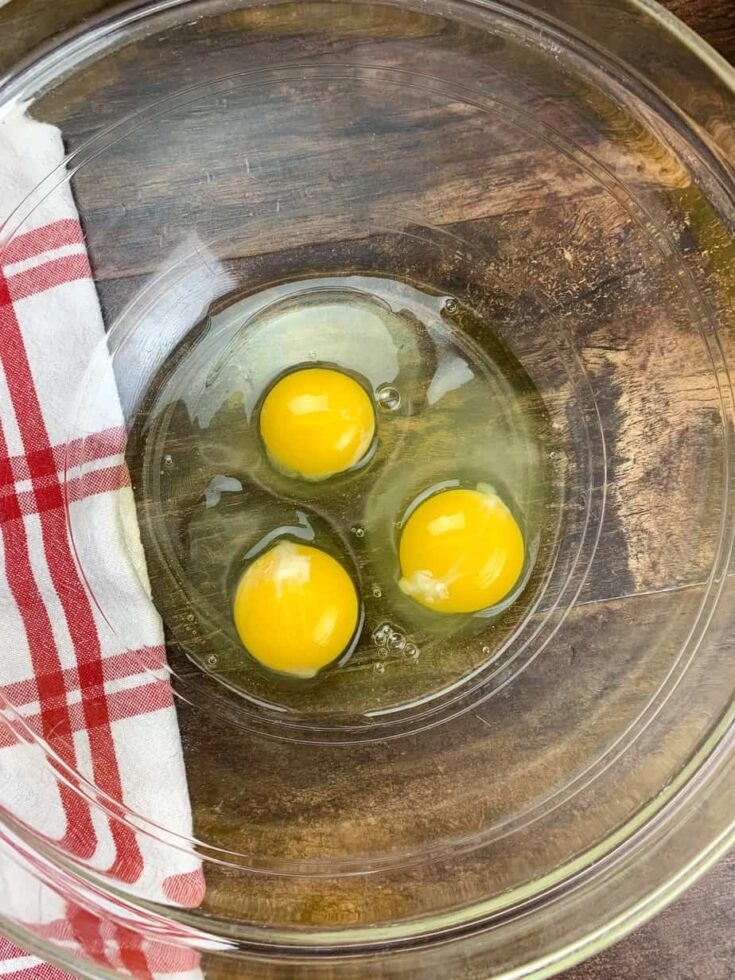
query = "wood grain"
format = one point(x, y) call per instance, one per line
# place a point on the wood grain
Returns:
point(538, 221)
point(589, 263)
point(714, 20)
point(694, 939)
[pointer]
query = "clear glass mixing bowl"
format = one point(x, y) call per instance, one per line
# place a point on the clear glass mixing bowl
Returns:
point(561, 168)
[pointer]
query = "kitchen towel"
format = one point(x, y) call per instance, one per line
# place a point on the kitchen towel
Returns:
point(71, 687)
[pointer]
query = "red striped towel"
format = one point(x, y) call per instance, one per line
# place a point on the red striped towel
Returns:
point(15, 964)
point(83, 709)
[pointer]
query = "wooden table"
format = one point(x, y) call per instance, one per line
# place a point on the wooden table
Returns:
point(696, 937)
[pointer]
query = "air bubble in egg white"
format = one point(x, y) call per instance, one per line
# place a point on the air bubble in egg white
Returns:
point(381, 634)
point(389, 398)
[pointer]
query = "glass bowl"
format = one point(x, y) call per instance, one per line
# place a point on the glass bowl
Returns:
point(554, 176)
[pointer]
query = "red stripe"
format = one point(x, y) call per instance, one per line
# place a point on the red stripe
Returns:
point(86, 929)
point(104, 480)
point(128, 863)
point(162, 957)
point(98, 445)
point(45, 496)
point(126, 947)
point(54, 722)
point(73, 485)
point(42, 971)
point(67, 455)
point(185, 889)
point(33, 243)
point(128, 703)
point(168, 958)
point(132, 955)
point(100, 710)
point(53, 273)
point(8, 737)
point(8, 951)
point(116, 667)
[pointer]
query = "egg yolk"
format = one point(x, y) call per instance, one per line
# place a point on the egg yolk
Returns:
point(460, 551)
point(316, 422)
point(295, 609)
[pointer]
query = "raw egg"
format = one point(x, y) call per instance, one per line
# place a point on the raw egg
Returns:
point(316, 422)
point(296, 609)
point(460, 551)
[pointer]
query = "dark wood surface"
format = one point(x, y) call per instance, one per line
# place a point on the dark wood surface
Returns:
point(696, 936)
point(714, 20)
point(694, 939)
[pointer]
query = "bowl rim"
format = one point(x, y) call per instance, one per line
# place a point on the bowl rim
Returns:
point(721, 755)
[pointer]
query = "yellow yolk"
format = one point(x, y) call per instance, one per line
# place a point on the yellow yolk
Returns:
point(461, 551)
point(316, 422)
point(296, 609)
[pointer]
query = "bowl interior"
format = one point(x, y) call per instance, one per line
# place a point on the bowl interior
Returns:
point(226, 157)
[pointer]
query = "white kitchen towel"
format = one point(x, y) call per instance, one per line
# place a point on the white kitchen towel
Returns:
point(83, 710)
